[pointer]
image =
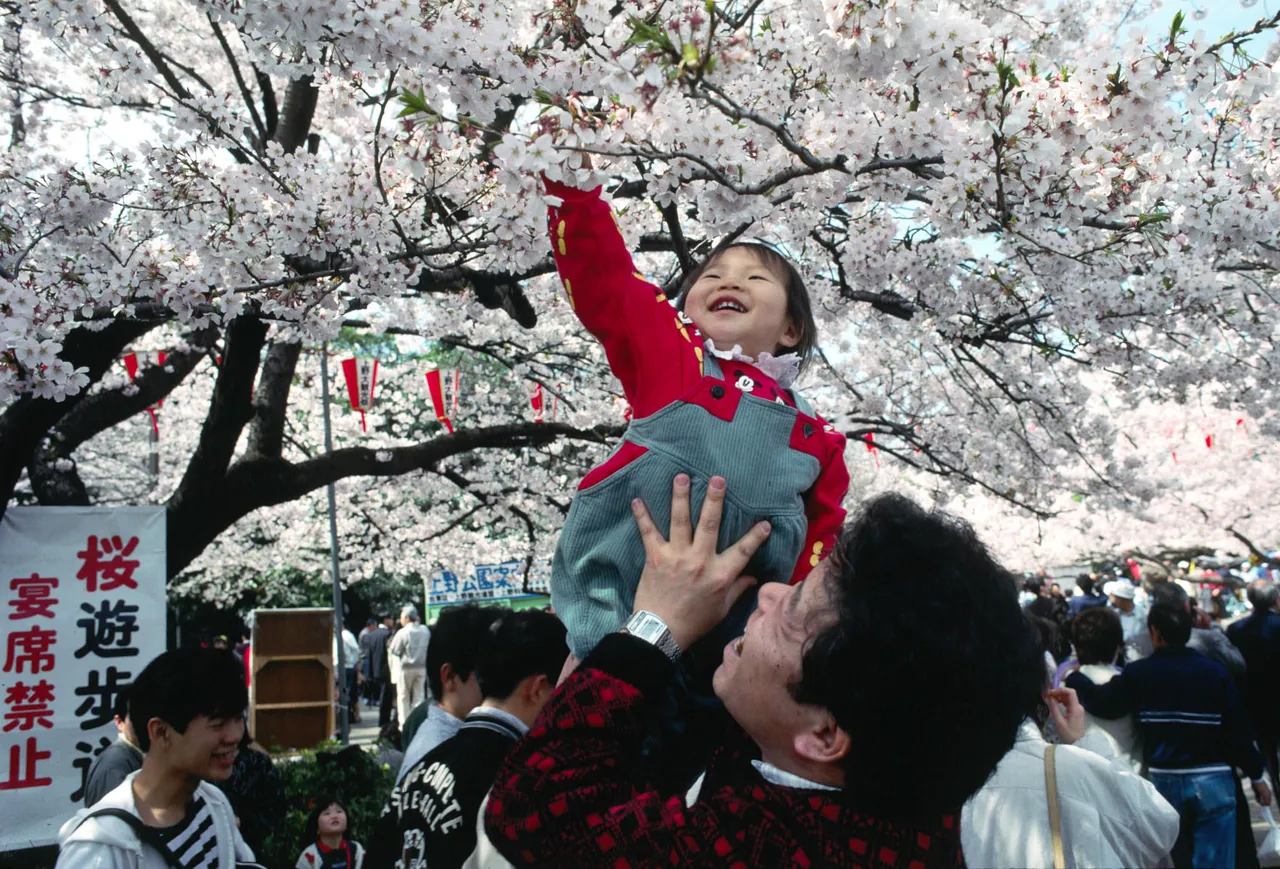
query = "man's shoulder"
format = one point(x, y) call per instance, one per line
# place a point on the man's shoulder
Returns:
point(118, 754)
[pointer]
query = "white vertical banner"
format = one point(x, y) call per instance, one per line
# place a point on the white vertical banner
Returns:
point(82, 612)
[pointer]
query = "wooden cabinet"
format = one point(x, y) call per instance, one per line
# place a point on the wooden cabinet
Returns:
point(291, 689)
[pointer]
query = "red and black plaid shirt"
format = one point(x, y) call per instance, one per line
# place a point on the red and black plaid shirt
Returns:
point(574, 793)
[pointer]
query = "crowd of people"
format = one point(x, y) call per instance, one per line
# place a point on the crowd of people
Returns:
point(841, 710)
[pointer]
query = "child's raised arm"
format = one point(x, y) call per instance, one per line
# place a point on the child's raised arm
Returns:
point(639, 329)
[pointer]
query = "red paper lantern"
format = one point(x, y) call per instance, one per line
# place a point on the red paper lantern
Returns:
point(437, 398)
point(536, 402)
point(131, 363)
point(361, 376)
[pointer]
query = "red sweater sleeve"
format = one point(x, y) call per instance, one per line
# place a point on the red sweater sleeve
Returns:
point(572, 792)
point(823, 506)
point(650, 350)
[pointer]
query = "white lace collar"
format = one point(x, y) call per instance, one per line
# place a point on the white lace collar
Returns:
point(783, 369)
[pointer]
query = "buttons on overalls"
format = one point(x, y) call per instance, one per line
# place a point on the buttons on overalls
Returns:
point(808, 430)
point(717, 391)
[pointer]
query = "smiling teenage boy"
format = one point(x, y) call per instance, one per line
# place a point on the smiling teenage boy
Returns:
point(187, 707)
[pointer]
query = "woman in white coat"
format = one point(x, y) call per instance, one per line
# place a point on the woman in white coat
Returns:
point(1108, 815)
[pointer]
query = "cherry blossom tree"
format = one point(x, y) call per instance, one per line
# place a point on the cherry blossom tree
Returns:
point(1001, 215)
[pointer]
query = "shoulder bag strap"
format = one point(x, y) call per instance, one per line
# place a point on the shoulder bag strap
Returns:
point(1055, 814)
point(146, 835)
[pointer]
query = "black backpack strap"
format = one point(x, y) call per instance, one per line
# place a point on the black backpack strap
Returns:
point(146, 835)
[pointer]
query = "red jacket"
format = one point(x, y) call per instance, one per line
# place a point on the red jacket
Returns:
point(574, 793)
point(656, 353)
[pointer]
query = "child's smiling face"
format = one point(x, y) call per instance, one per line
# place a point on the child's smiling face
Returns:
point(739, 300)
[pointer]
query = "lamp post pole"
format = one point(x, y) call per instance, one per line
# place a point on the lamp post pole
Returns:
point(344, 724)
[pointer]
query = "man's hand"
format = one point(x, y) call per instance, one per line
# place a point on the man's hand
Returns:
point(1262, 792)
point(685, 583)
point(1068, 721)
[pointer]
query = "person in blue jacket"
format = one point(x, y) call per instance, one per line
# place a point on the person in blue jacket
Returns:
point(1194, 731)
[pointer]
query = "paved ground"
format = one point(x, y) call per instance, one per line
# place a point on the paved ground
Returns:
point(1260, 828)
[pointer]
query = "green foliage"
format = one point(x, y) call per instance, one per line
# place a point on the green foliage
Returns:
point(352, 776)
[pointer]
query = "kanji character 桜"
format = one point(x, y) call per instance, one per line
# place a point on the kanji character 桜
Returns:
point(109, 630)
point(114, 571)
point(29, 706)
point(34, 597)
point(30, 647)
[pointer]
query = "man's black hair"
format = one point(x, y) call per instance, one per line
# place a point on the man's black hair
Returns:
point(520, 645)
point(459, 634)
point(1084, 582)
point(799, 308)
point(1172, 621)
point(183, 684)
point(1262, 595)
point(1169, 592)
point(1097, 634)
point(1033, 584)
point(927, 633)
point(121, 708)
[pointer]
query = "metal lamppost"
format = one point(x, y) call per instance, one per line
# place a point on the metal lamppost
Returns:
point(344, 725)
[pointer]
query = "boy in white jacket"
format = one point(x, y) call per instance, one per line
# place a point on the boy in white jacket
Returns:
point(188, 711)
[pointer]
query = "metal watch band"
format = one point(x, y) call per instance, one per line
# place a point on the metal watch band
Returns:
point(653, 630)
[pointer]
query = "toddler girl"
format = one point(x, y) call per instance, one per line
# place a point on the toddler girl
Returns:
point(326, 836)
point(708, 379)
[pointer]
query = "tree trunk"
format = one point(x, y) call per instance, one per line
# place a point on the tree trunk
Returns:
point(28, 420)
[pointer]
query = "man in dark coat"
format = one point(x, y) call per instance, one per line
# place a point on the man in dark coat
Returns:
point(373, 651)
point(1258, 639)
point(117, 760)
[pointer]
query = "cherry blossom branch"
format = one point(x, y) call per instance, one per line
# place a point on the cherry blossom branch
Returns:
point(245, 93)
point(252, 483)
point(1235, 39)
point(26, 421)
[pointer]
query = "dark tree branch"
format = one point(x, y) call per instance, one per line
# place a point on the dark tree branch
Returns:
point(271, 400)
point(25, 423)
point(245, 93)
point(102, 410)
point(300, 100)
point(55, 480)
point(255, 482)
point(148, 48)
point(229, 411)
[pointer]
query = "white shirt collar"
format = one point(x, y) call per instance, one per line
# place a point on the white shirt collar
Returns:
point(783, 369)
point(782, 778)
point(500, 715)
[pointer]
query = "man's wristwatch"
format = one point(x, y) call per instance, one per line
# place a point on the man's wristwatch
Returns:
point(652, 629)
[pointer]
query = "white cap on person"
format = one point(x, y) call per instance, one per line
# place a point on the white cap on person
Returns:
point(1119, 588)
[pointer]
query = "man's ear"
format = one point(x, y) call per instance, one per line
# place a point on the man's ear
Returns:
point(446, 673)
point(822, 740)
point(537, 690)
point(158, 731)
